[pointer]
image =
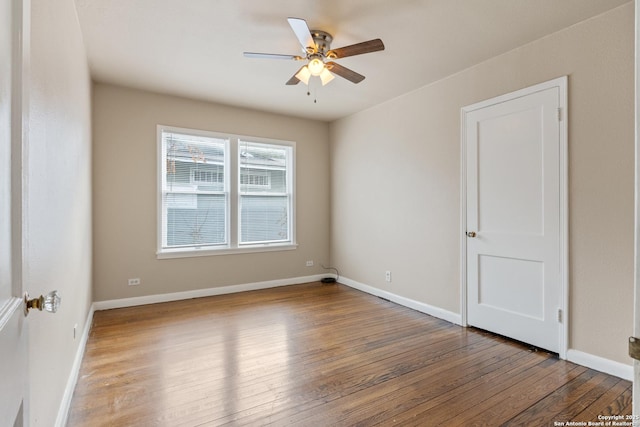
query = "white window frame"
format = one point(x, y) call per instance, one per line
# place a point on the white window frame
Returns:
point(232, 183)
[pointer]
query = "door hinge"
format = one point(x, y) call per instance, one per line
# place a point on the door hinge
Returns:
point(559, 114)
point(634, 348)
point(559, 315)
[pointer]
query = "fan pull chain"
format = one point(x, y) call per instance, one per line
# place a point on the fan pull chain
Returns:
point(310, 89)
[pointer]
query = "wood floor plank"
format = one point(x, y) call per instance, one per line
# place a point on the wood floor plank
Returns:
point(600, 406)
point(317, 386)
point(302, 410)
point(493, 400)
point(424, 384)
point(548, 407)
point(319, 355)
point(425, 395)
point(571, 412)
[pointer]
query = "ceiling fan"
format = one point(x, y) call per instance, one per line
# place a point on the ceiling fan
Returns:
point(316, 48)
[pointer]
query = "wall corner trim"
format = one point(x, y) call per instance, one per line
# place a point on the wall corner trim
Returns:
point(407, 302)
point(601, 364)
point(65, 404)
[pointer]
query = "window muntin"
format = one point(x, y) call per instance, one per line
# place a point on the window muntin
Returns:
point(210, 204)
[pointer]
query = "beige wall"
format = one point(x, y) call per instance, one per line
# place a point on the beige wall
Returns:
point(125, 192)
point(396, 179)
point(57, 205)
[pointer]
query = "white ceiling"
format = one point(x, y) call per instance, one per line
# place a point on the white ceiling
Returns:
point(193, 48)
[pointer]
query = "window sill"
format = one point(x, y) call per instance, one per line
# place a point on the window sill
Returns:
point(190, 253)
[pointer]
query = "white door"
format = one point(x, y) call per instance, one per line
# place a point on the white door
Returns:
point(514, 212)
point(636, 312)
point(13, 334)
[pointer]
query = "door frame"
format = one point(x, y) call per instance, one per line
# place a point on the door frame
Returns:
point(562, 84)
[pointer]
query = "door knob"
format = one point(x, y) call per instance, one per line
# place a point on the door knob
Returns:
point(49, 302)
point(471, 234)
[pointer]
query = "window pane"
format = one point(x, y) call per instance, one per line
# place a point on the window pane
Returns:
point(265, 202)
point(263, 168)
point(194, 194)
point(195, 219)
point(264, 218)
point(194, 162)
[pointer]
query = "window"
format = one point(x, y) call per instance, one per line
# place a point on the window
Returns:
point(223, 194)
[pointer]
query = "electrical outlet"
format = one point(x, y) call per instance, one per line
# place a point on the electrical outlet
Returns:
point(134, 282)
point(309, 264)
point(387, 276)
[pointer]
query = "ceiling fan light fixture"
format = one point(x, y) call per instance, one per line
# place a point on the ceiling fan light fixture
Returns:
point(326, 76)
point(304, 74)
point(316, 66)
point(316, 45)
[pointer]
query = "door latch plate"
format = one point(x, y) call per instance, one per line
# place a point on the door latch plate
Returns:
point(634, 348)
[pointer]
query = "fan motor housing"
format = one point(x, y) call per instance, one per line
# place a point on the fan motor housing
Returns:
point(322, 40)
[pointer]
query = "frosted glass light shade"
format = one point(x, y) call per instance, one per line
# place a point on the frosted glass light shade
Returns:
point(303, 75)
point(326, 76)
point(315, 66)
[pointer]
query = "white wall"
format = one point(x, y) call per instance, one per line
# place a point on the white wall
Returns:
point(396, 179)
point(58, 199)
point(125, 195)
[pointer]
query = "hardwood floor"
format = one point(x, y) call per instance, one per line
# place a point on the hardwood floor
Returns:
point(321, 355)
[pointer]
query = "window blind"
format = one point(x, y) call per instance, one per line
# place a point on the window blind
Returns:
point(264, 193)
point(195, 191)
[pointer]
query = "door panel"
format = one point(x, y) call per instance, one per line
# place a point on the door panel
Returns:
point(13, 366)
point(13, 335)
point(5, 152)
point(513, 156)
point(636, 284)
point(499, 278)
point(503, 205)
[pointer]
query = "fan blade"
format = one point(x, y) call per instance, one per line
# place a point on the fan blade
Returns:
point(294, 80)
point(344, 72)
point(271, 56)
point(356, 49)
point(302, 32)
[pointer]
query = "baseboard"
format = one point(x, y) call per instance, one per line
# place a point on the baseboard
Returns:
point(601, 364)
point(407, 302)
point(65, 404)
point(199, 293)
